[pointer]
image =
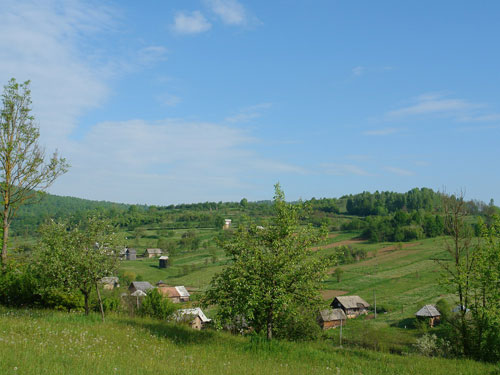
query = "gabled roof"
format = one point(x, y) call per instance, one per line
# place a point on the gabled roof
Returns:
point(171, 291)
point(182, 291)
point(109, 280)
point(154, 251)
point(328, 315)
point(428, 311)
point(186, 313)
point(131, 251)
point(141, 285)
point(163, 257)
point(138, 293)
point(352, 302)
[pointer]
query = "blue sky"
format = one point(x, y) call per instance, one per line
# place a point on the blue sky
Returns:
point(164, 102)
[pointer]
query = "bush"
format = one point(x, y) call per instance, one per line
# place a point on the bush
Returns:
point(156, 306)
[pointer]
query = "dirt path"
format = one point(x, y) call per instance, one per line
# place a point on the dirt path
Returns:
point(330, 294)
point(335, 244)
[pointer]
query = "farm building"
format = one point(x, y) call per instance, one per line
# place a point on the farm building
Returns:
point(227, 224)
point(429, 312)
point(175, 293)
point(331, 318)
point(151, 253)
point(353, 306)
point(139, 295)
point(143, 286)
point(195, 317)
point(130, 254)
point(110, 282)
point(163, 261)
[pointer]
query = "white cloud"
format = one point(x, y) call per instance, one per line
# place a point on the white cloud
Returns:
point(381, 132)
point(399, 171)
point(249, 113)
point(433, 103)
point(40, 41)
point(231, 12)
point(358, 71)
point(152, 54)
point(169, 100)
point(344, 169)
point(190, 23)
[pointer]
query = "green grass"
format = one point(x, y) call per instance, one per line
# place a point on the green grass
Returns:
point(44, 342)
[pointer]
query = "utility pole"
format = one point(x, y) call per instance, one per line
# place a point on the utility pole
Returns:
point(375, 299)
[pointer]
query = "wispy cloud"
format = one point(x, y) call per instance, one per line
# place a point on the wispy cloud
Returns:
point(249, 113)
point(344, 169)
point(399, 171)
point(358, 71)
point(152, 54)
point(231, 12)
point(169, 100)
point(382, 132)
point(190, 23)
point(435, 103)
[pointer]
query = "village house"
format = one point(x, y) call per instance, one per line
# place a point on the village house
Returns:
point(195, 317)
point(175, 293)
point(152, 253)
point(143, 286)
point(331, 318)
point(352, 306)
point(110, 282)
point(163, 261)
point(130, 254)
point(227, 223)
point(429, 312)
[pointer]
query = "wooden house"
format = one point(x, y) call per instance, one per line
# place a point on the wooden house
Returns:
point(429, 312)
point(331, 318)
point(195, 317)
point(110, 283)
point(163, 261)
point(352, 306)
point(175, 293)
point(131, 254)
point(152, 253)
point(143, 286)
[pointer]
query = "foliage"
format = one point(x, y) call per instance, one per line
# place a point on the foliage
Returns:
point(273, 271)
point(156, 306)
point(23, 166)
point(76, 258)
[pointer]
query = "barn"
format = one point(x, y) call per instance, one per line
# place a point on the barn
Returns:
point(429, 312)
point(352, 306)
point(195, 317)
point(143, 286)
point(131, 254)
point(331, 318)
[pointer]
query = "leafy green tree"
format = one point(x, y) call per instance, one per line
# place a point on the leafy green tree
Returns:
point(24, 170)
point(76, 258)
point(338, 273)
point(156, 306)
point(273, 272)
point(244, 203)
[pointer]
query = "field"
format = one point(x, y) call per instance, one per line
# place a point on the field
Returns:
point(47, 342)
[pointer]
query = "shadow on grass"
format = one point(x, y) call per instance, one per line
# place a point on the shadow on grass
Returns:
point(405, 323)
point(180, 335)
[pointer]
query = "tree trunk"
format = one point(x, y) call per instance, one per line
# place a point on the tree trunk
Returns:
point(86, 298)
point(5, 237)
point(270, 324)
point(100, 301)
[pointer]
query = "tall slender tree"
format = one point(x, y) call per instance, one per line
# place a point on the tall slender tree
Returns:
point(24, 169)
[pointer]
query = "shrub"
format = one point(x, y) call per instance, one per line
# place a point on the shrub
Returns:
point(156, 306)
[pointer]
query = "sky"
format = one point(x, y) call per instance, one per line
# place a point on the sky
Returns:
point(164, 102)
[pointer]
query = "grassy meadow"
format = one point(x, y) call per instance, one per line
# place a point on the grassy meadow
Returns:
point(48, 342)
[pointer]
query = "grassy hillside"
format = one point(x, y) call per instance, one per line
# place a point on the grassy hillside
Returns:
point(41, 342)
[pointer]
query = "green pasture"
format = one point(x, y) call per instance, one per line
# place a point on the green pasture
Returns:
point(48, 342)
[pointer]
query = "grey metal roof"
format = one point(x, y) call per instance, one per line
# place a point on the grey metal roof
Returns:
point(182, 291)
point(163, 257)
point(154, 251)
point(109, 280)
point(352, 302)
point(141, 285)
point(138, 293)
point(328, 315)
point(185, 313)
point(428, 311)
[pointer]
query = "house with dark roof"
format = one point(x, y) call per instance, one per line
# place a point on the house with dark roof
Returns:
point(352, 306)
point(143, 286)
point(331, 318)
point(429, 312)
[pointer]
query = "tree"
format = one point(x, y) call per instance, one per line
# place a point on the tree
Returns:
point(77, 258)
point(274, 273)
point(338, 273)
point(24, 171)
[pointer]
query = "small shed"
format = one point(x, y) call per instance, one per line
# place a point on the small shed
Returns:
point(195, 317)
point(331, 318)
point(227, 223)
point(429, 312)
point(163, 261)
point(152, 253)
point(110, 282)
point(353, 306)
point(139, 295)
point(130, 254)
point(143, 286)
